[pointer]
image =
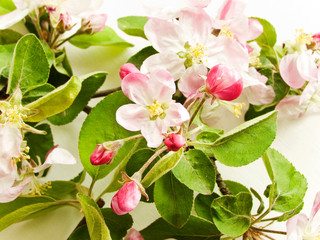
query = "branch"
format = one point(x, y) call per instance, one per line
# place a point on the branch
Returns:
point(222, 186)
point(87, 109)
point(105, 92)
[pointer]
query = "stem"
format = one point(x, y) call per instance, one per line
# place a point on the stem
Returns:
point(268, 230)
point(154, 156)
point(91, 187)
point(267, 236)
point(265, 213)
point(65, 40)
point(197, 110)
point(105, 92)
point(87, 109)
point(222, 186)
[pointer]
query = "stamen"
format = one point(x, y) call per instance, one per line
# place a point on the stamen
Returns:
point(195, 54)
point(14, 117)
point(303, 38)
point(226, 32)
point(157, 110)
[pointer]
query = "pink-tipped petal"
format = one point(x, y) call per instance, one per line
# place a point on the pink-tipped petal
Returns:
point(175, 141)
point(230, 93)
point(316, 206)
point(133, 234)
point(128, 68)
point(161, 85)
point(176, 114)
point(296, 226)
point(135, 86)
point(164, 35)
point(192, 80)
point(132, 116)
point(290, 107)
point(12, 193)
point(255, 29)
point(231, 9)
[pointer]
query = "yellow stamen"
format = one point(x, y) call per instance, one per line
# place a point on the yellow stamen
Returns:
point(157, 110)
point(14, 117)
point(226, 32)
point(237, 109)
point(303, 38)
point(254, 61)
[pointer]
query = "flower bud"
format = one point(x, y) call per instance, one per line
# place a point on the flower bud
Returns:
point(94, 23)
point(175, 141)
point(101, 156)
point(126, 199)
point(133, 234)
point(224, 83)
point(64, 23)
point(128, 68)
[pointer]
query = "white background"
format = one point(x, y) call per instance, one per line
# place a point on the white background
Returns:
point(298, 140)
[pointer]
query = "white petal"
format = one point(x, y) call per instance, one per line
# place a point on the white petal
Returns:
point(152, 132)
point(176, 115)
point(132, 116)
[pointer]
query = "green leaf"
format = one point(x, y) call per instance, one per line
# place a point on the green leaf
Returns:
point(207, 137)
point(81, 233)
point(30, 67)
point(6, 6)
point(286, 216)
point(257, 195)
point(6, 54)
point(8, 36)
point(88, 88)
point(80, 177)
point(268, 36)
point(40, 144)
point(235, 187)
point(97, 227)
point(24, 208)
point(173, 200)
point(56, 101)
point(61, 63)
point(142, 55)
point(247, 142)
point(101, 126)
point(196, 171)
point(253, 113)
point(202, 205)
point(195, 229)
point(60, 190)
point(107, 37)
point(164, 165)
point(231, 214)
point(133, 25)
point(36, 93)
point(288, 185)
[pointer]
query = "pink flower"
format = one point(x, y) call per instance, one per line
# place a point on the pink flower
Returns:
point(126, 69)
point(175, 141)
point(133, 234)
point(95, 22)
point(300, 227)
point(101, 155)
point(154, 110)
point(224, 83)
point(126, 199)
point(316, 37)
point(290, 107)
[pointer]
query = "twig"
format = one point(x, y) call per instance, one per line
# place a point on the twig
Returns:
point(87, 109)
point(222, 186)
point(268, 230)
point(105, 92)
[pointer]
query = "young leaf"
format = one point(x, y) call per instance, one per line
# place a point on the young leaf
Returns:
point(24, 208)
point(288, 185)
point(56, 101)
point(235, 187)
point(36, 93)
point(8, 36)
point(164, 165)
point(196, 171)
point(89, 86)
point(195, 229)
point(231, 214)
point(30, 67)
point(202, 205)
point(6, 6)
point(133, 25)
point(247, 142)
point(6, 54)
point(207, 137)
point(101, 126)
point(142, 55)
point(173, 200)
point(97, 227)
point(107, 37)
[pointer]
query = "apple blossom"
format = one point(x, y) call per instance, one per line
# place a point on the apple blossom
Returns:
point(133, 234)
point(300, 227)
point(154, 110)
point(94, 23)
point(101, 155)
point(126, 69)
point(126, 199)
point(175, 141)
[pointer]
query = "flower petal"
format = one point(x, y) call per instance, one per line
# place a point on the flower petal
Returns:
point(132, 116)
point(176, 114)
point(296, 226)
point(290, 107)
point(13, 192)
point(161, 85)
point(316, 206)
point(152, 132)
point(255, 29)
point(231, 9)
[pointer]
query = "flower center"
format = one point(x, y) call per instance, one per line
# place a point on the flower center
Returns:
point(157, 110)
point(226, 32)
point(195, 54)
point(13, 116)
point(302, 37)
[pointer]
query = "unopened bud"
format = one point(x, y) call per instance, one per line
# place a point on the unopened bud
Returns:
point(94, 23)
point(101, 155)
point(127, 69)
point(175, 141)
point(224, 83)
point(133, 234)
point(64, 23)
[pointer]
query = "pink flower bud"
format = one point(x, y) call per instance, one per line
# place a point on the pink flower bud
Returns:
point(128, 68)
point(249, 48)
point(224, 83)
point(133, 234)
point(95, 23)
point(64, 23)
point(316, 37)
point(126, 199)
point(101, 156)
point(175, 141)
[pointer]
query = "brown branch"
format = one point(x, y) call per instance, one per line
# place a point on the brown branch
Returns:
point(105, 92)
point(87, 109)
point(222, 186)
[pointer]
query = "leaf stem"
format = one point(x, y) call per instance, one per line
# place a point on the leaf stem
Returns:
point(91, 187)
point(197, 110)
point(268, 230)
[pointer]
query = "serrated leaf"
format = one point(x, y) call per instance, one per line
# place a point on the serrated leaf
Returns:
point(88, 88)
point(235, 187)
point(24, 208)
point(29, 67)
point(288, 185)
point(207, 137)
point(268, 36)
point(196, 171)
point(97, 227)
point(231, 214)
point(173, 200)
point(56, 101)
point(195, 229)
point(142, 55)
point(286, 216)
point(247, 142)
point(101, 126)
point(164, 165)
point(133, 25)
point(108, 37)
point(202, 205)
point(36, 93)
